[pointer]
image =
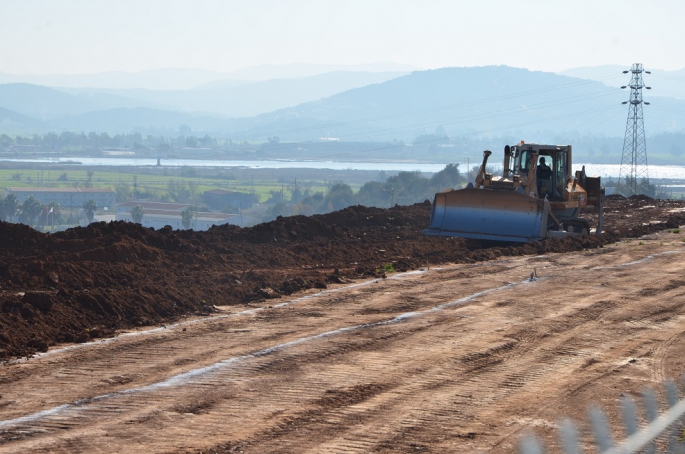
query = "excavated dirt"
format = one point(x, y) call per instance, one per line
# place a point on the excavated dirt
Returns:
point(87, 283)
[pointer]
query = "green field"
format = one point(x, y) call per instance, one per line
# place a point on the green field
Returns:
point(159, 183)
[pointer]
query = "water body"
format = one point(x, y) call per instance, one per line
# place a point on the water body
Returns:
point(603, 170)
point(252, 164)
point(612, 170)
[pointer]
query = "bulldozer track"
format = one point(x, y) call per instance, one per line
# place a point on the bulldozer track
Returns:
point(459, 359)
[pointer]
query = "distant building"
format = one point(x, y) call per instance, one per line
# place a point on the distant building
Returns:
point(218, 199)
point(149, 206)
point(118, 152)
point(66, 197)
point(158, 215)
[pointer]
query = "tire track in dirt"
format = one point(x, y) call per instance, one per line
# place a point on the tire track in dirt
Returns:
point(80, 406)
point(595, 314)
point(363, 441)
point(661, 352)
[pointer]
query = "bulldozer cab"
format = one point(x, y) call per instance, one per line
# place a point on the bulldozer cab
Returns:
point(551, 167)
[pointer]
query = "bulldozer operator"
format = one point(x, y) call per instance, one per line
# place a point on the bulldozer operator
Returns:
point(544, 176)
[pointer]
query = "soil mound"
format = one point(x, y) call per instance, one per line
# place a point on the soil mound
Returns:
point(86, 283)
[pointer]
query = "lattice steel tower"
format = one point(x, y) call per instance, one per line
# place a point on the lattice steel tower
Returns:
point(633, 177)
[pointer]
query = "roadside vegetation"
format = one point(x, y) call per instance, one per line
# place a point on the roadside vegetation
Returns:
point(405, 188)
point(282, 192)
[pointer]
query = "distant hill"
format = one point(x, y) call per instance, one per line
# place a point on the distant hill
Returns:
point(13, 122)
point(299, 70)
point(188, 78)
point(42, 102)
point(607, 74)
point(225, 98)
point(248, 99)
point(491, 101)
point(481, 101)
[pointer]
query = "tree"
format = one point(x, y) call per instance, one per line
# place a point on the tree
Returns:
point(137, 214)
point(279, 209)
point(30, 209)
point(373, 194)
point(339, 196)
point(296, 195)
point(447, 177)
point(6, 140)
point(123, 192)
point(10, 205)
point(407, 188)
point(90, 207)
point(186, 217)
point(181, 192)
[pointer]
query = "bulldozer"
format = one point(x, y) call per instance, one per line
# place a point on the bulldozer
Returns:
point(530, 201)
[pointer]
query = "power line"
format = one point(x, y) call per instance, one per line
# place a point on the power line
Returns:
point(665, 76)
point(666, 109)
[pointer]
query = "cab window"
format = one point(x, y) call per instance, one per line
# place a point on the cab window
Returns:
point(560, 169)
point(524, 164)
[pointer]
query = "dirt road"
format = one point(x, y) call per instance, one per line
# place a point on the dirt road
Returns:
point(455, 359)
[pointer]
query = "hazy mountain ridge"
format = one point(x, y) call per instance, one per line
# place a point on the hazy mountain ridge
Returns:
point(299, 70)
point(11, 122)
point(189, 78)
point(160, 79)
point(477, 102)
point(247, 98)
point(491, 100)
point(42, 103)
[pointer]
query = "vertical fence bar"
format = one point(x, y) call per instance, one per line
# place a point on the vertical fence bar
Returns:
point(671, 392)
point(529, 444)
point(600, 428)
point(651, 412)
point(629, 415)
point(569, 437)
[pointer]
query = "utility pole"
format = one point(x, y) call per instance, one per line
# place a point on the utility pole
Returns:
point(632, 176)
point(392, 196)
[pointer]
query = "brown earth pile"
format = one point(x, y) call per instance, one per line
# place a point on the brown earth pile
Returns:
point(87, 282)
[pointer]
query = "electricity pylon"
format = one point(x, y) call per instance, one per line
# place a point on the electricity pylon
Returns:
point(633, 177)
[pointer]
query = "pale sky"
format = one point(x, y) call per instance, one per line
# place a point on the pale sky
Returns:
point(88, 36)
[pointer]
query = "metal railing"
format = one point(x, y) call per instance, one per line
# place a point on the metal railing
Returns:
point(663, 433)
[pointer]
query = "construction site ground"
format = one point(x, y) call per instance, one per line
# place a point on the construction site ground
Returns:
point(452, 349)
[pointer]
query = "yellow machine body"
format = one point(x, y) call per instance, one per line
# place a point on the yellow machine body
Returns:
point(530, 201)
